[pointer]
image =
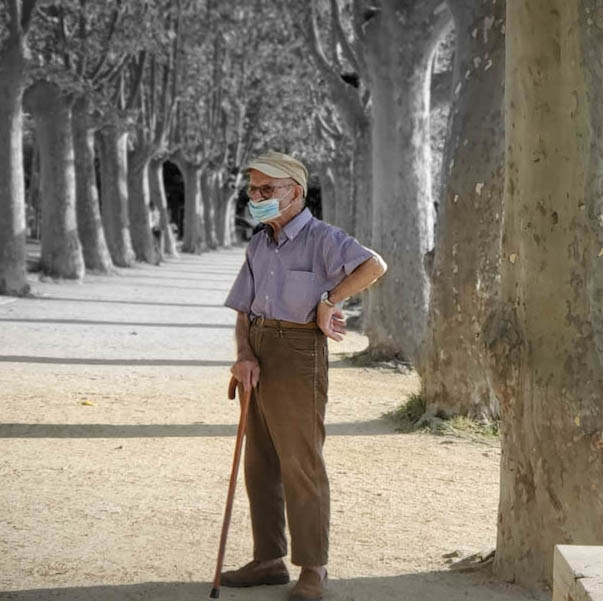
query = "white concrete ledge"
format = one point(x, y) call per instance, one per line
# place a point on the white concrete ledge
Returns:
point(578, 573)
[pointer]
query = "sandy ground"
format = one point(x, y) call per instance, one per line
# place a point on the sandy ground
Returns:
point(116, 440)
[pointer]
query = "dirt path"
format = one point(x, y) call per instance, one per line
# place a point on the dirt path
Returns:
point(116, 442)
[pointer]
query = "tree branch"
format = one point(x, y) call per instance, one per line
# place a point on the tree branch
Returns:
point(137, 83)
point(27, 10)
point(346, 48)
point(441, 88)
point(112, 26)
point(64, 37)
point(344, 96)
point(14, 9)
point(83, 36)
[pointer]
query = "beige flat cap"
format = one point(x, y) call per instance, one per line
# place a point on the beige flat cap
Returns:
point(280, 165)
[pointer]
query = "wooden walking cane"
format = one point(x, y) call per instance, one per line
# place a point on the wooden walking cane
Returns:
point(244, 399)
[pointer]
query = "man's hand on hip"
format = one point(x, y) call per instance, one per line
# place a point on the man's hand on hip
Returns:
point(247, 371)
point(330, 320)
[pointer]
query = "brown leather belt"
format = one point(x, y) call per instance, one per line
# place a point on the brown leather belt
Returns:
point(262, 322)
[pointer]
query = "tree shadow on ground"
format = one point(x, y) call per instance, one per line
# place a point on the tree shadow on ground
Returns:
point(427, 586)
point(103, 301)
point(90, 322)
point(158, 286)
point(205, 270)
point(119, 362)
point(15, 430)
point(131, 362)
point(166, 277)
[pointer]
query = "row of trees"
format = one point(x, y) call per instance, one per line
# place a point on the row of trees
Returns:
point(127, 86)
point(495, 297)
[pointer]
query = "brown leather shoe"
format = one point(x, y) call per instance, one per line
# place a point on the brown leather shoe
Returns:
point(309, 587)
point(252, 574)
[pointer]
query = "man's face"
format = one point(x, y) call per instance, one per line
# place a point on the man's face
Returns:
point(263, 187)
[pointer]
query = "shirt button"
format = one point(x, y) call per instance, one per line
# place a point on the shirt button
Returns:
point(272, 273)
point(267, 297)
point(276, 251)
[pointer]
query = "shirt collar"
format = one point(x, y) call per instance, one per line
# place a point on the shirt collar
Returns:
point(296, 225)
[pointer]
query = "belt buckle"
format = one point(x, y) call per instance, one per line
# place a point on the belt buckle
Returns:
point(261, 321)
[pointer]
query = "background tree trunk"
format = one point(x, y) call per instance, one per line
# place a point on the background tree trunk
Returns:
point(399, 50)
point(467, 250)
point(139, 209)
point(344, 193)
point(193, 238)
point(359, 206)
point(327, 193)
point(208, 198)
point(219, 197)
point(61, 249)
point(230, 192)
point(547, 339)
point(114, 194)
point(13, 274)
point(89, 223)
point(157, 191)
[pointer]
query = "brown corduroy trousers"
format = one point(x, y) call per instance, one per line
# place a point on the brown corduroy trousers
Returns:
point(284, 464)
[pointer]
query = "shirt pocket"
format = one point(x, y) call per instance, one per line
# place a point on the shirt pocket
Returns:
point(298, 292)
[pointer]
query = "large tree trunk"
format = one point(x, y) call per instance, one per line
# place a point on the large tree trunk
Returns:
point(13, 274)
point(208, 198)
point(158, 198)
point(226, 192)
point(33, 204)
point(344, 197)
point(400, 46)
point(139, 201)
point(112, 145)
point(61, 249)
point(467, 250)
point(89, 223)
point(220, 191)
point(327, 193)
point(193, 239)
point(359, 208)
point(547, 339)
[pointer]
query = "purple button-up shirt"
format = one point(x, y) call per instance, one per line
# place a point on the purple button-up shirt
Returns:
point(284, 279)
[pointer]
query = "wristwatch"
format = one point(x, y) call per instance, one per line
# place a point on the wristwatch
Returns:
point(324, 298)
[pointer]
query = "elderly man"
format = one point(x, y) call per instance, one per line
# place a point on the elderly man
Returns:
point(295, 273)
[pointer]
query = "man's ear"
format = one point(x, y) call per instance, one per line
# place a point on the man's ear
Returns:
point(299, 192)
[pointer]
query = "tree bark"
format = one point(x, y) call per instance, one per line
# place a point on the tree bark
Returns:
point(13, 273)
point(89, 222)
point(112, 145)
point(208, 199)
point(226, 193)
point(547, 338)
point(158, 198)
point(358, 207)
point(61, 250)
point(399, 50)
point(139, 206)
point(467, 250)
point(194, 235)
point(327, 193)
point(220, 191)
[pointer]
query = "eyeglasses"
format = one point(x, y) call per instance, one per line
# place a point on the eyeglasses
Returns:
point(265, 190)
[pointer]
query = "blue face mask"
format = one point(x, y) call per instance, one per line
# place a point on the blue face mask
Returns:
point(267, 210)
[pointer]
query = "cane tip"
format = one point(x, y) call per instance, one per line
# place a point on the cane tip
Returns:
point(215, 593)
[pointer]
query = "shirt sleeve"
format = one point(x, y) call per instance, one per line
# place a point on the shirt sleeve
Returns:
point(342, 254)
point(241, 294)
